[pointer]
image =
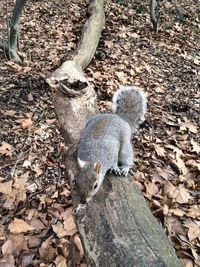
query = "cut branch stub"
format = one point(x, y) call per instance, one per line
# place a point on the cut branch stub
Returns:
point(74, 100)
point(70, 79)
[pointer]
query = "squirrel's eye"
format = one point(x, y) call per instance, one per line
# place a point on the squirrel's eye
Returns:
point(95, 185)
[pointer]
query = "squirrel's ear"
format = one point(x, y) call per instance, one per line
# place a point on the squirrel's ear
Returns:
point(97, 166)
point(81, 163)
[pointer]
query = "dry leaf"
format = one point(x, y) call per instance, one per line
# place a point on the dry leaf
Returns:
point(70, 226)
point(4, 264)
point(188, 125)
point(194, 211)
point(96, 75)
point(159, 150)
point(6, 188)
point(187, 263)
point(27, 123)
point(194, 230)
point(152, 188)
point(195, 147)
point(18, 226)
point(60, 261)
point(37, 169)
point(78, 244)
point(14, 245)
point(10, 112)
point(7, 247)
point(14, 66)
point(59, 230)
point(27, 259)
point(46, 251)
point(20, 182)
point(177, 212)
point(180, 194)
point(6, 149)
point(181, 165)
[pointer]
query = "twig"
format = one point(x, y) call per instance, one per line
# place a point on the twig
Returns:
point(18, 159)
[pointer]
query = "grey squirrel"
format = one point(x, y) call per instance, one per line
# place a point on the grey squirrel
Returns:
point(106, 141)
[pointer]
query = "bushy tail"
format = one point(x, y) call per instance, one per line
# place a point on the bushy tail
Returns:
point(130, 104)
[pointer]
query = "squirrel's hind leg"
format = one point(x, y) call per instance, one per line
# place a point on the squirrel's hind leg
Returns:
point(116, 170)
point(126, 158)
point(124, 170)
point(114, 167)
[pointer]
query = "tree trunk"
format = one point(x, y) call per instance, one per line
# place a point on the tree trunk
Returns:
point(116, 227)
point(11, 46)
point(154, 19)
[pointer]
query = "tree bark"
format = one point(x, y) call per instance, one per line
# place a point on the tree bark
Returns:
point(116, 227)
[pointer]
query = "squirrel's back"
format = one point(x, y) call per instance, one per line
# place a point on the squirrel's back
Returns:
point(106, 141)
point(130, 104)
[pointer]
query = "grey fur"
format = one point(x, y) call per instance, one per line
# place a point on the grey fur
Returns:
point(107, 139)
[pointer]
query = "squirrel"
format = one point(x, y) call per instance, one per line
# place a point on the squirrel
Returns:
point(106, 141)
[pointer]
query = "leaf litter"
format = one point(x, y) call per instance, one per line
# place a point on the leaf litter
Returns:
point(36, 223)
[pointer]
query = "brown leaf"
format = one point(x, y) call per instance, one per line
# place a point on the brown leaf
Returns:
point(194, 211)
point(193, 163)
point(188, 125)
point(177, 212)
point(37, 169)
point(159, 150)
point(7, 247)
point(20, 182)
point(6, 149)
point(18, 226)
point(168, 188)
point(51, 121)
point(187, 263)
point(60, 261)
point(78, 244)
point(10, 112)
point(180, 194)
point(14, 245)
point(27, 259)
point(59, 229)
point(194, 230)
point(96, 75)
point(46, 251)
point(4, 264)
point(195, 147)
point(6, 188)
point(70, 226)
point(14, 66)
point(37, 224)
point(175, 149)
point(27, 123)
point(152, 188)
point(181, 165)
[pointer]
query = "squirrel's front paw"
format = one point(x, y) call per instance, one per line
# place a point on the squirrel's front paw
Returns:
point(124, 170)
point(116, 170)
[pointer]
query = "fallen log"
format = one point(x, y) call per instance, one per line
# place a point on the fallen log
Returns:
point(116, 227)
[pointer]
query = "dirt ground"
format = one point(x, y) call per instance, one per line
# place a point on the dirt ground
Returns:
point(36, 224)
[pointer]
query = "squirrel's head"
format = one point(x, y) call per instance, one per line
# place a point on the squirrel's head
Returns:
point(89, 179)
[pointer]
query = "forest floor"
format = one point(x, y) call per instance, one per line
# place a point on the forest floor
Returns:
point(36, 224)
